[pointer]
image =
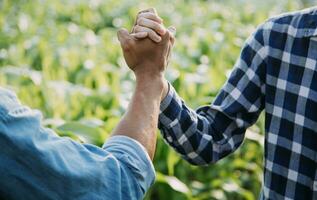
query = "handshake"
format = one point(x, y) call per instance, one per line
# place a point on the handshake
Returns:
point(148, 47)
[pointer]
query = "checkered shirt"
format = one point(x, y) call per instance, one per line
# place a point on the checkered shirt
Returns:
point(276, 72)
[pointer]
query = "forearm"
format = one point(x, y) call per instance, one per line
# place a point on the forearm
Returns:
point(202, 136)
point(140, 120)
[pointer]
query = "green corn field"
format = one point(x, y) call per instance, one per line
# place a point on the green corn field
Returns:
point(63, 58)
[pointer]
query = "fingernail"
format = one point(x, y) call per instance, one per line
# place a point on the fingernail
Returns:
point(172, 28)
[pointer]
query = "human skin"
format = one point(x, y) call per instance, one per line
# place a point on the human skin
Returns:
point(147, 60)
point(149, 25)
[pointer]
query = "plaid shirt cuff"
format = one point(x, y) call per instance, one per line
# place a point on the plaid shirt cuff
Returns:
point(170, 108)
point(167, 100)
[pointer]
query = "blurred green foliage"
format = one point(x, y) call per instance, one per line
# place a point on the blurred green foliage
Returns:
point(63, 58)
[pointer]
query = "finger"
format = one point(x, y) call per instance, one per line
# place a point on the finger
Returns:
point(139, 35)
point(169, 35)
point(172, 31)
point(151, 16)
point(123, 35)
point(159, 28)
point(125, 39)
point(151, 10)
point(152, 34)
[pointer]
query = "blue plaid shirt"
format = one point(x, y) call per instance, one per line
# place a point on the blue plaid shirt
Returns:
point(277, 73)
point(37, 164)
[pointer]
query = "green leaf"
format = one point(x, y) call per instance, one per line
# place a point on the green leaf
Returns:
point(173, 182)
point(87, 134)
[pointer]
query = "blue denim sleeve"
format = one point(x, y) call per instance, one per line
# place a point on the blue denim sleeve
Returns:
point(35, 163)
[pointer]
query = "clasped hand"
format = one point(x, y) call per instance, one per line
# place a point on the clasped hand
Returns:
point(147, 48)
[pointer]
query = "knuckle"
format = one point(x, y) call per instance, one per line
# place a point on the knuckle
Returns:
point(152, 10)
point(141, 11)
point(141, 15)
point(152, 33)
point(140, 20)
point(152, 15)
point(156, 26)
point(137, 28)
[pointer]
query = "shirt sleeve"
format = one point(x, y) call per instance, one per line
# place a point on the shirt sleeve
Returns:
point(35, 163)
point(212, 132)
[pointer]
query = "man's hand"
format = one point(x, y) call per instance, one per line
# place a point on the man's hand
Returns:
point(148, 61)
point(149, 24)
point(145, 57)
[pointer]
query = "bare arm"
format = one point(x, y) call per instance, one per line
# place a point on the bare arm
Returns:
point(213, 132)
point(148, 61)
point(141, 119)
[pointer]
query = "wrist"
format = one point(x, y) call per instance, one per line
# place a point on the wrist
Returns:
point(151, 81)
point(166, 88)
point(149, 75)
point(152, 85)
point(148, 70)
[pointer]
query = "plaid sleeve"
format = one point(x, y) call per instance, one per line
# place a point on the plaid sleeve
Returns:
point(212, 132)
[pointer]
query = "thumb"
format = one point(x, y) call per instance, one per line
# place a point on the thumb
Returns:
point(172, 30)
point(123, 35)
point(170, 35)
point(125, 39)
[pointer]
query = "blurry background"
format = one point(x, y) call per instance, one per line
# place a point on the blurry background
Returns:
point(63, 58)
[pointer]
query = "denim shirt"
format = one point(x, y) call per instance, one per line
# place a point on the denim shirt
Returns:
point(35, 163)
